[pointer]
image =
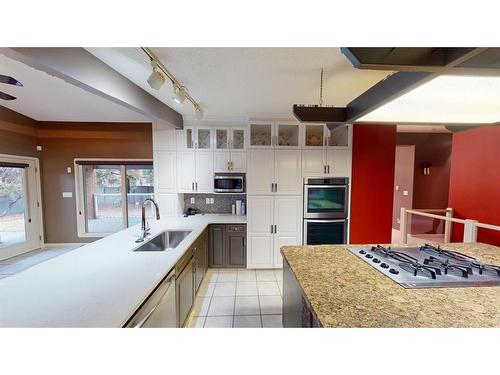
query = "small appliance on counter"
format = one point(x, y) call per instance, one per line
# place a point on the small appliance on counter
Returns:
point(191, 211)
point(325, 210)
point(429, 267)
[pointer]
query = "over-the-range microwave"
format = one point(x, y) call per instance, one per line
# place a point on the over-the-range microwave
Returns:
point(229, 183)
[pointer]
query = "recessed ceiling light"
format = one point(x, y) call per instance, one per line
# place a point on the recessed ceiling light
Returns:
point(445, 99)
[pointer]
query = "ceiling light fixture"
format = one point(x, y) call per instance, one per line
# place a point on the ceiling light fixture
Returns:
point(157, 78)
point(198, 112)
point(180, 92)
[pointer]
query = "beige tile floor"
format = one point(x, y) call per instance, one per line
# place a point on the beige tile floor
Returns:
point(238, 298)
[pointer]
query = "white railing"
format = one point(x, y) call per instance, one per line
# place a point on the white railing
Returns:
point(470, 226)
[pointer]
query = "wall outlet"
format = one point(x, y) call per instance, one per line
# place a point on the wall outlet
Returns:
point(67, 194)
point(211, 201)
point(207, 200)
point(192, 200)
point(39, 148)
point(68, 169)
point(405, 192)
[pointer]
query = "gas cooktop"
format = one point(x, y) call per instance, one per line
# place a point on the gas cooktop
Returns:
point(429, 267)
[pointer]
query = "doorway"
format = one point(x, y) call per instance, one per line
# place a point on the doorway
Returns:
point(20, 211)
point(403, 185)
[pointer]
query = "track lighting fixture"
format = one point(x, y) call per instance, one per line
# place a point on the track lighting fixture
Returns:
point(198, 112)
point(179, 94)
point(157, 78)
point(160, 74)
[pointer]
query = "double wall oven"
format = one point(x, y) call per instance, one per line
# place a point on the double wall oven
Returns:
point(326, 204)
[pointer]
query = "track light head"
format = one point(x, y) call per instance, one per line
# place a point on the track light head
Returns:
point(157, 78)
point(179, 94)
point(198, 112)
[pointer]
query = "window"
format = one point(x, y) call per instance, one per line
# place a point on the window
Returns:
point(111, 194)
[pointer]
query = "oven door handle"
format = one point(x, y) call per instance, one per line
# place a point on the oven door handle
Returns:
point(325, 221)
point(326, 186)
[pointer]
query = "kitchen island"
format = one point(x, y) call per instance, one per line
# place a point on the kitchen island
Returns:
point(327, 286)
point(100, 284)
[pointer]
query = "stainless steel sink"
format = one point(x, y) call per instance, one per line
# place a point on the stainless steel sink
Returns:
point(169, 239)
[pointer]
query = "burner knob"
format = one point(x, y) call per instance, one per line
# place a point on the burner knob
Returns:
point(384, 265)
point(393, 271)
point(369, 256)
point(362, 252)
point(376, 260)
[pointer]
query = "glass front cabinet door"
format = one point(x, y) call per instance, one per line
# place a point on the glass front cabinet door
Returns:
point(221, 139)
point(314, 135)
point(203, 138)
point(287, 135)
point(238, 139)
point(338, 137)
point(261, 134)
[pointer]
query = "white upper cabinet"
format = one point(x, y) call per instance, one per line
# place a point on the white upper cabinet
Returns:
point(339, 162)
point(194, 138)
point(238, 161)
point(260, 172)
point(164, 137)
point(287, 172)
point(314, 162)
point(165, 171)
point(222, 161)
point(204, 182)
point(186, 175)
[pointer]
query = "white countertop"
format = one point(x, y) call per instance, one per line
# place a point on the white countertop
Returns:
point(97, 285)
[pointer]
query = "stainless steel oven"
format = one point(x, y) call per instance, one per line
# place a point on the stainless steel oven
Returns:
point(326, 202)
point(229, 183)
point(325, 231)
point(326, 198)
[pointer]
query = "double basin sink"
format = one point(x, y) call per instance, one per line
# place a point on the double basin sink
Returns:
point(167, 240)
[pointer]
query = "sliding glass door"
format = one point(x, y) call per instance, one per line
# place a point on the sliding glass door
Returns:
point(19, 216)
point(111, 195)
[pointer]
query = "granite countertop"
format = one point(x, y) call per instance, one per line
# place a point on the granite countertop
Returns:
point(344, 291)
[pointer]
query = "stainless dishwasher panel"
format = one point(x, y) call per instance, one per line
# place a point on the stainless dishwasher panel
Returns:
point(159, 310)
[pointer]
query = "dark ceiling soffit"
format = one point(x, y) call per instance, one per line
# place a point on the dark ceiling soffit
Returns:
point(82, 69)
point(482, 62)
point(319, 114)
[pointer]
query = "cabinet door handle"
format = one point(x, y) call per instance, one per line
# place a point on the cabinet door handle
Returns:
point(196, 184)
point(275, 187)
point(275, 228)
point(324, 169)
point(272, 188)
point(328, 169)
point(271, 229)
point(192, 186)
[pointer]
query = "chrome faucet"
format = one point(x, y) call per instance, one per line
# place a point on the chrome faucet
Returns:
point(144, 224)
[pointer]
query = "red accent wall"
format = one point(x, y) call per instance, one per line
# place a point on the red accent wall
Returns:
point(373, 159)
point(475, 180)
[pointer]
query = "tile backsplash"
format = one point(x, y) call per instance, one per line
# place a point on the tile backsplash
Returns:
point(222, 202)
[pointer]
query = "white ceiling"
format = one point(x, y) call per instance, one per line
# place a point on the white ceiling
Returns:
point(47, 98)
point(242, 83)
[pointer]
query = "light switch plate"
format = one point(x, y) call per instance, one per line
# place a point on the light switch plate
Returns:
point(405, 192)
point(68, 169)
point(211, 200)
point(39, 148)
point(67, 194)
point(207, 200)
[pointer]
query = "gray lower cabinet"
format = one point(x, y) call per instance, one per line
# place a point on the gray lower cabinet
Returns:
point(201, 259)
point(216, 246)
point(185, 291)
point(235, 246)
point(227, 246)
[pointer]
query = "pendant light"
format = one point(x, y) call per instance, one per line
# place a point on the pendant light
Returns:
point(157, 78)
